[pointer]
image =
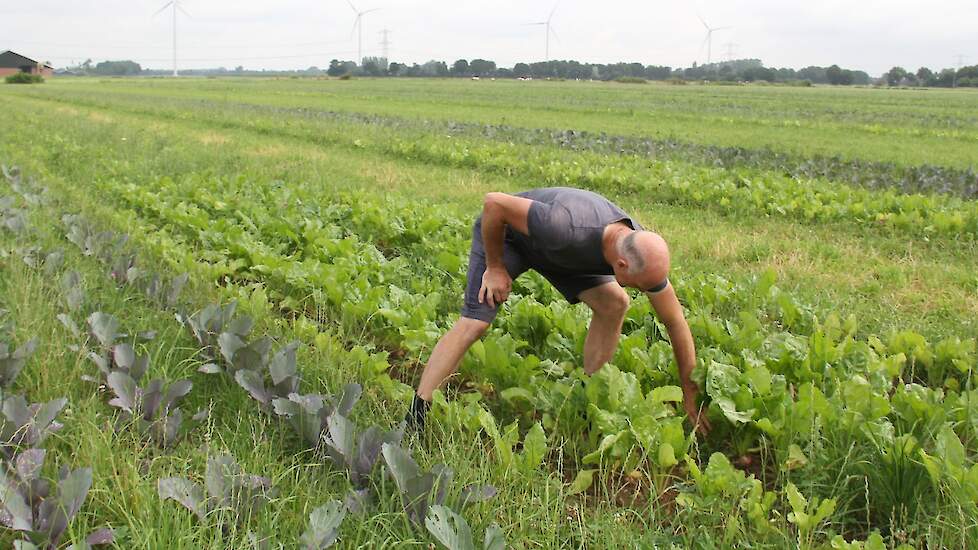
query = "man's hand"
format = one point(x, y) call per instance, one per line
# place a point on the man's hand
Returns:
point(496, 285)
point(696, 417)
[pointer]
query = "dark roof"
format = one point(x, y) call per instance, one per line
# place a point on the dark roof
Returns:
point(9, 59)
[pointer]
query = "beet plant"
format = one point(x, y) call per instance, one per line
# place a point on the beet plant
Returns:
point(11, 362)
point(227, 491)
point(40, 511)
point(420, 489)
point(153, 410)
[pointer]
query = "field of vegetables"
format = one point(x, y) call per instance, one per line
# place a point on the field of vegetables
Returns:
point(217, 296)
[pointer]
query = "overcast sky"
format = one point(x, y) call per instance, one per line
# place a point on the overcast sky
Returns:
point(871, 35)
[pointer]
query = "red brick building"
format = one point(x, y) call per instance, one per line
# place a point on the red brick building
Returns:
point(12, 63)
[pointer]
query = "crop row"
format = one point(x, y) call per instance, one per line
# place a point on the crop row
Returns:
point(837, 168)
point(771, 384)
point(736, 190)
point(229, 497)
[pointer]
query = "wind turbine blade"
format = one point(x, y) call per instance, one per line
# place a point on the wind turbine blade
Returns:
point(721, 28)
point(161, 10)
point(371, 10)
point(183, 11)
point(551, 16)
point(534, 24)
point(352, 7)
point(702, 21)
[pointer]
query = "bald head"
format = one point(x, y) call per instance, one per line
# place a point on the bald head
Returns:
point(647, 256)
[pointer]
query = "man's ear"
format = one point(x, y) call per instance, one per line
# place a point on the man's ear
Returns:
point(622, 263)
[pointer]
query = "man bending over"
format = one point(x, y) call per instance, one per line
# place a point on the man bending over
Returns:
point(589, 249)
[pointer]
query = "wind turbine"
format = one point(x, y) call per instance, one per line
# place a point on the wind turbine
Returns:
point(358, 26)
point(549, 29)
point(175, 5)
point(709, 38)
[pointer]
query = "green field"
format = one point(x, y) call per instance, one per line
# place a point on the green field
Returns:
point(824, 245)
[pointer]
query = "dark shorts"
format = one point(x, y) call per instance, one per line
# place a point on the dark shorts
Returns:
point(517, 262)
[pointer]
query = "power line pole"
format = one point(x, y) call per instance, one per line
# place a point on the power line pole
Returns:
point(960, 58)
point(731, 48)
point(385, 42)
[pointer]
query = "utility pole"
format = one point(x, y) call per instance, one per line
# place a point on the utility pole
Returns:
point(385, 42)
point(960, 58)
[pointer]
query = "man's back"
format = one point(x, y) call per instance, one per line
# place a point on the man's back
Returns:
point(565, 229)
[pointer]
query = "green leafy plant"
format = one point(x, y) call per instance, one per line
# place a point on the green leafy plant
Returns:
point(534, 443)
point(24, 78)
point(807, 515)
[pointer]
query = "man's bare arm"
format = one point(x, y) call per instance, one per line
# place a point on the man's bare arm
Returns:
point(498, 211)
point(670, 312)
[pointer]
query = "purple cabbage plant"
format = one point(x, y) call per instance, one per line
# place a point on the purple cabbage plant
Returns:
point(227, 492)
point(40, 511)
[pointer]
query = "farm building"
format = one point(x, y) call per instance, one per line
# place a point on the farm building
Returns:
point(11, 63)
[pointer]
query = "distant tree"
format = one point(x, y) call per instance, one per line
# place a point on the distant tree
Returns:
point(239, 69)
point(460, 68)
point(834, 75)
point(375, 66)
point(521, 69)
point(924, 76)
point(335, 68)
point(895, 76)
point(118, 68)
point(482, 67)
point(435, 68)
point(653, 72)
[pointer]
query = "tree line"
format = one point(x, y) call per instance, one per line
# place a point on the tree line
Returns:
point(740, 70)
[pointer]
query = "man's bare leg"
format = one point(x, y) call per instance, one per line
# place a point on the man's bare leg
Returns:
point(609, 302)
point(443, 363)
point(448, 353)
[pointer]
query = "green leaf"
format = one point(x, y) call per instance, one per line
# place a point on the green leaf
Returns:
point(582, 482)
point(534, 447)
point(665, 394)
point(667, 456)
